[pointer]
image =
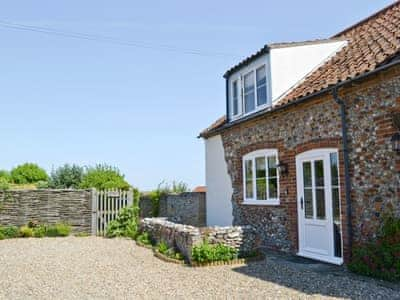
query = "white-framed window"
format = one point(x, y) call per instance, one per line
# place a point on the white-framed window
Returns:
point(249, 91)
point(261, 178)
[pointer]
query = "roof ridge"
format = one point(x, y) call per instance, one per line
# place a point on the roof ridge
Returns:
point(304, 42)
point(365, 20)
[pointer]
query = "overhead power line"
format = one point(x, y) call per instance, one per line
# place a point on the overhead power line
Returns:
point(110, 40)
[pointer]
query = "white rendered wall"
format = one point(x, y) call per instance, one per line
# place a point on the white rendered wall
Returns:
point(289, 65)
point(219, 187)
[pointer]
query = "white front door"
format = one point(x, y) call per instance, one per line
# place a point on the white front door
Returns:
point(319, 205)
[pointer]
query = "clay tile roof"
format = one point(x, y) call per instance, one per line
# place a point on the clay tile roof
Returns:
point(200, 189)
point(372, 42)
point(217, 124)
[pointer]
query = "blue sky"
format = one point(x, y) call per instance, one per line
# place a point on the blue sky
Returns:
point(66, 100)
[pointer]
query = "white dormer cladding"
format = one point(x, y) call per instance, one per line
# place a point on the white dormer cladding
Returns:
point(268, 78)
point(249, 88)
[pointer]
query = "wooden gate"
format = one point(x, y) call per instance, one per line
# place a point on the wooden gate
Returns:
point(105, 207)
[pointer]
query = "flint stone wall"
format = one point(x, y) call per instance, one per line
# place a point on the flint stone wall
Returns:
point(185, 237)
point(185, 208)
point(19, 207)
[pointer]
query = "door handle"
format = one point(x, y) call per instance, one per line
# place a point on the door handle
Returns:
point(301, 202)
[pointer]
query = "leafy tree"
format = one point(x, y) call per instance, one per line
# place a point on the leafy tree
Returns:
point(28, 173)
point(103, 176)
point(66, 177)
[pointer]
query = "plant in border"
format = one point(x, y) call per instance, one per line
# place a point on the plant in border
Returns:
point(206, 252)
point(26, 232)
point(39, 231)
point(162, 247)
point(58, 230)
point(144, 239)
point(126, 223)
point(381, 258)
point(9, 232)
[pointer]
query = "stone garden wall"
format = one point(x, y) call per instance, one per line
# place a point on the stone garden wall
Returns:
point(185, 208)
point(73, 207)
point(184, 237)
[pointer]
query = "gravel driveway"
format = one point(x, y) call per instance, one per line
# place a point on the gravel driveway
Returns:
point(87, 268)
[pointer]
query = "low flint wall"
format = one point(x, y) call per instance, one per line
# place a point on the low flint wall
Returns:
point(184, 237)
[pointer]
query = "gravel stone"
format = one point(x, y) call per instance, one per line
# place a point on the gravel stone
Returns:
point(98, 268)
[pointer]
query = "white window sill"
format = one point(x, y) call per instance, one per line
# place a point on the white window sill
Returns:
point(242, 114)
point(272, 202)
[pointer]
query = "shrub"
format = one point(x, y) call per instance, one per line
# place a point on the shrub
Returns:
point(103, 177)
point(66, 177)
point(28, 173)
point(206, 252)
point(39, 231)
point(381, 258)
point(25, 231)
point(2, 237)
point(58, 230)
point(9, 232)
point(126, 223)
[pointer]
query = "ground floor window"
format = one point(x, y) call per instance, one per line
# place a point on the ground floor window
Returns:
point(260, 177)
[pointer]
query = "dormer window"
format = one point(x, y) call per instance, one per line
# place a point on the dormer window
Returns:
point(248, 90)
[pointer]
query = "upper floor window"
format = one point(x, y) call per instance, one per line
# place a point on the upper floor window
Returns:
point(249, 91)
point(260, 177)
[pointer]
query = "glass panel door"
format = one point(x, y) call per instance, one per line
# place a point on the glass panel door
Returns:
point(314, 190)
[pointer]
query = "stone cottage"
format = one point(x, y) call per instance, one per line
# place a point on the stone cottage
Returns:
point(308, 151)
